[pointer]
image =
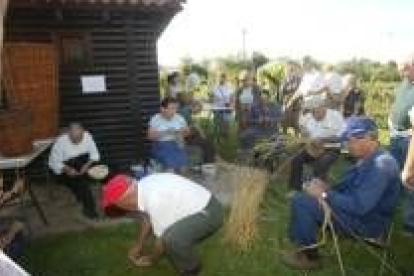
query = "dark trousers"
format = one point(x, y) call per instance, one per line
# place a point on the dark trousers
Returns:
point(181, 237)
point(80, 187)
point(320, 166)
point(207, 148)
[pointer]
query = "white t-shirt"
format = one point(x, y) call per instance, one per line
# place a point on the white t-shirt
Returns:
point(330, 126)
point(10, 268)
point(246, 96)
point(221, 96)
point(162, 124)
point(168, 198)
point(64, 149)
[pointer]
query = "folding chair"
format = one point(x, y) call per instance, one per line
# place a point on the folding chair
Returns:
point(383, 244)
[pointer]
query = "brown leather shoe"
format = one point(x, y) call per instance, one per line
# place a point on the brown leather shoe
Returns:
point(300, 261)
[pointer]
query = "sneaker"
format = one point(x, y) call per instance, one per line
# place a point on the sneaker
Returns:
point(300, 261)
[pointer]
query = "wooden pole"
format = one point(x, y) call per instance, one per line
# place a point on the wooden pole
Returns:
point(3, 10)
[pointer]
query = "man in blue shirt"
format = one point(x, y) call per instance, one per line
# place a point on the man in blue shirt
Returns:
point(362, 202)
point(260, 121)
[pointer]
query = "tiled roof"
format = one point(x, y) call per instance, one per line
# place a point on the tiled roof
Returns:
point(158, 3)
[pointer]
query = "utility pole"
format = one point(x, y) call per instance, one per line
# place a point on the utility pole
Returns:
point(244, 34)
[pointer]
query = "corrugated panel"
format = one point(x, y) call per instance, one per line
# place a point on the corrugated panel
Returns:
point(124, 50)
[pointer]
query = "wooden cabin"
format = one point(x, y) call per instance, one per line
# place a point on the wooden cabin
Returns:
point(105, 55)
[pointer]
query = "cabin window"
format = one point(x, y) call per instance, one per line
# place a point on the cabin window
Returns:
point(74, 49)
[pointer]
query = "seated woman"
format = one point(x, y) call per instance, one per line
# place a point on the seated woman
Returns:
point(167, 130)
point(261, 121)
point(73, 154)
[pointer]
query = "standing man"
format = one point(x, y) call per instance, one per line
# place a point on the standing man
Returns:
point(354, 97)
point(261, 122)
point(173, 85)
point(407, 174)
point(71, 157)
point(222, 99)
point(363, 201)
point(334, 92)
point(178, 211)
point(247, 95)
point(167, 130)
point(400, 133)
point(322, 126)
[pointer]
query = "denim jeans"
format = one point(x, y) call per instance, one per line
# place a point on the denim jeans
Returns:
point(399, 148)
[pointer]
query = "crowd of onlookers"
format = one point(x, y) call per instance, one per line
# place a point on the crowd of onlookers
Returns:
point(327, 112)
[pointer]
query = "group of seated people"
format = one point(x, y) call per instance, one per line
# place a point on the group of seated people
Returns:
point(363, 200)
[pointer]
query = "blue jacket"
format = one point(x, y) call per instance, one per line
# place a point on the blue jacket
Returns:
point(367, 194)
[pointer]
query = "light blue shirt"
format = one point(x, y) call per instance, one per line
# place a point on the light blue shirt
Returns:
point(166, 127)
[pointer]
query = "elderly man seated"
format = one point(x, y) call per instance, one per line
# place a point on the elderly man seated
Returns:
point(71, 157)
point(362, 202)
point(167, 130)
point(260, 121)
point(321, 128)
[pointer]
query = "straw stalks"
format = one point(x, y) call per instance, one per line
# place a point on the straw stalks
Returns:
point(249, 185)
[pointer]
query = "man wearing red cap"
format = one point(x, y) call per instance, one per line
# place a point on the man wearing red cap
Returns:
point(179, 212)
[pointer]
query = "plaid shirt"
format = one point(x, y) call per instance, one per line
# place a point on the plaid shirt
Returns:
point(264, 115)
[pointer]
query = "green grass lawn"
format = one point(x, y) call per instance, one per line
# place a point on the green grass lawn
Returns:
point(103, 252)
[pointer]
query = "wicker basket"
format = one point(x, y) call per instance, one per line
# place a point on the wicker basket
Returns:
point(31, 80)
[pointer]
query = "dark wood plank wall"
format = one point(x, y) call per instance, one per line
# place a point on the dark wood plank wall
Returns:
point(123, 48)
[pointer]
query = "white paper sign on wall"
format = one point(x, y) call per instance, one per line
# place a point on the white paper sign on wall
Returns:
point(93, 84)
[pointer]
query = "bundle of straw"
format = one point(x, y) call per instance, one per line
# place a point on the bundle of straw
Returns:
point(249, 185)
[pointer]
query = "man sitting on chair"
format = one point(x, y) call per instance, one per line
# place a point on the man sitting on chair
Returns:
point(320, 127)
point(71, 157)
point(167, 130)
point(362, 202)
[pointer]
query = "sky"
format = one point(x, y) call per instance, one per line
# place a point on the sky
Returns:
point(328, 30)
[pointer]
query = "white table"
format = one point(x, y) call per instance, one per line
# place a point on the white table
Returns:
point(20, 163)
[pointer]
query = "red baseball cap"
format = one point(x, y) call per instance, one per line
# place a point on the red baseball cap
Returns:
point(113, 190)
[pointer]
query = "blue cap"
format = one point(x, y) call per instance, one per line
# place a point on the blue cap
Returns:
point(358, 125)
